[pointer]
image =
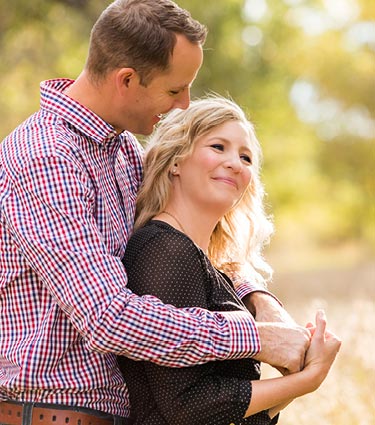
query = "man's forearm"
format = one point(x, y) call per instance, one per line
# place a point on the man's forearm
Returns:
point(266, 308)
point(283, 342)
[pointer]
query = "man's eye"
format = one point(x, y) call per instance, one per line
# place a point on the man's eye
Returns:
point(173, 92)
point(246, 158)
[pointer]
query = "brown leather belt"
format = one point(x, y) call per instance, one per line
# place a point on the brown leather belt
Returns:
point(12, 413)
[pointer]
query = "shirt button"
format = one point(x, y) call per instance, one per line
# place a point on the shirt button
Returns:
point(110, 136)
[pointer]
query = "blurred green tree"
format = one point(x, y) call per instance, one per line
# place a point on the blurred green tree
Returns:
point(303, 69)
point(305, 72)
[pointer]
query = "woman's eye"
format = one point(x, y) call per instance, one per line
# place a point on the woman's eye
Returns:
point(218, 147)
point(247, 159)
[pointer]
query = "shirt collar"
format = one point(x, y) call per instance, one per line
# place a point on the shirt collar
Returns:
point(53, 99)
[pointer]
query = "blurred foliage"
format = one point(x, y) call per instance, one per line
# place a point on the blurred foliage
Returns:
point(302, 69)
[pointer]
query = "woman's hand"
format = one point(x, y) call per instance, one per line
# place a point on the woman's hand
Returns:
point(322, 352)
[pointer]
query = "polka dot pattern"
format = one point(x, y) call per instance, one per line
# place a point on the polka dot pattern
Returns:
point(164, 262)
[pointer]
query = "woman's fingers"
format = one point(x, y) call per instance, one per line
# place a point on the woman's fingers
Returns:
point(321, 323)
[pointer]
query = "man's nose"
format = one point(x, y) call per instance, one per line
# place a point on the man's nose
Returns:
point(183, 100)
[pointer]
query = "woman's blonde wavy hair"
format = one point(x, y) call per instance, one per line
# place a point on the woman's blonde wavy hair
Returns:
point(238, 239)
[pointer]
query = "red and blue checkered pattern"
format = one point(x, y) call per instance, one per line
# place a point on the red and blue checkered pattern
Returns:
point(68, 185)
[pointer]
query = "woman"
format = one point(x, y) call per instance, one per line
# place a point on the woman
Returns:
point(200, 218)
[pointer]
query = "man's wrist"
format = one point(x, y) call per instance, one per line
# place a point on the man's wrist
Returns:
point(257, 300)
point(244, 333)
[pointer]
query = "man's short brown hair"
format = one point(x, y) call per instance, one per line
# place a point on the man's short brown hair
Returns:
point(139, 34)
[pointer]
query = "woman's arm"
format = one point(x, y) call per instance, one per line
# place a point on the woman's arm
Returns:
point(172, 270)
point(276, 393)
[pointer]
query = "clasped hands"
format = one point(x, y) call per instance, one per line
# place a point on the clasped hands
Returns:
point(288, 346)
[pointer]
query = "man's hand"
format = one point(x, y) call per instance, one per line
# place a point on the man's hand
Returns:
point(284, 343)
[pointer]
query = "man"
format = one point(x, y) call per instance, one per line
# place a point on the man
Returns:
point(68, 180)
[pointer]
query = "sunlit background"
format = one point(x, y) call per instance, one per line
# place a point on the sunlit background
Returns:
point(304, 70)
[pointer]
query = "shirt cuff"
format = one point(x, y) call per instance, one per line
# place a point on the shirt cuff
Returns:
point(243, 333)
point(245, 288)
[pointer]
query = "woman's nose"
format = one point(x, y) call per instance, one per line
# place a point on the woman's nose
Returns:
point(234, 162)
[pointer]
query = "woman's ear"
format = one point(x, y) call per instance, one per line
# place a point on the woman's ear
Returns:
point(174, 170)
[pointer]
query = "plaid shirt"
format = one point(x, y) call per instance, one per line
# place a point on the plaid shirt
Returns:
point(68, 185)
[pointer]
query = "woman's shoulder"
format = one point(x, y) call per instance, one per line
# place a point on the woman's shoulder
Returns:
point(162, 261)
point(158, 231)
point(160, 237)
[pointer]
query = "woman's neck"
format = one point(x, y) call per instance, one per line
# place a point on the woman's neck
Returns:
point(198, 226)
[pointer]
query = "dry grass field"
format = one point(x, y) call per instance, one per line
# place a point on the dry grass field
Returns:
point(347, 294)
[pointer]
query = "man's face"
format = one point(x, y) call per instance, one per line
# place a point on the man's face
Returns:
point(167, 90)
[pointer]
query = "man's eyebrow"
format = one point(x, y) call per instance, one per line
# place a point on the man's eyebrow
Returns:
point(182, 86)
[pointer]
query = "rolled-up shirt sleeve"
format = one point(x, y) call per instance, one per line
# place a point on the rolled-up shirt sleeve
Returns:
point(246, 287)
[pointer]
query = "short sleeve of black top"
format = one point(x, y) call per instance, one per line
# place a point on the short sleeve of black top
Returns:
point(164, 262)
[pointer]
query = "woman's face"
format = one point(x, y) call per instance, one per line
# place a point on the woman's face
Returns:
point(219, 169)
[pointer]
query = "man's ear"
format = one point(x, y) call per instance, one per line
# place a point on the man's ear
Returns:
point(125, 77)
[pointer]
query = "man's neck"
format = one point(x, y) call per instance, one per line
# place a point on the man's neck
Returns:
point(93, 96)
